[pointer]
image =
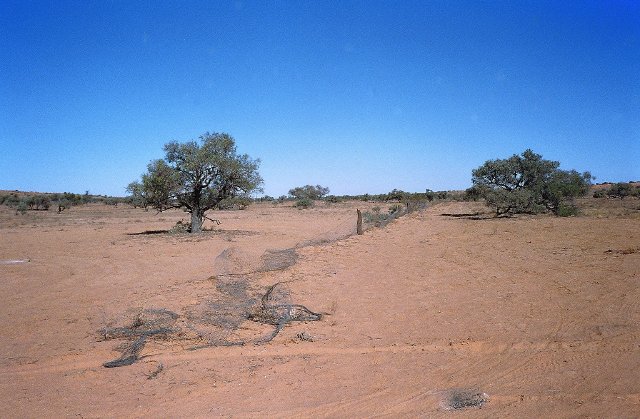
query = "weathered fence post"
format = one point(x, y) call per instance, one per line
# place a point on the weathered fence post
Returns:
point(359, 225)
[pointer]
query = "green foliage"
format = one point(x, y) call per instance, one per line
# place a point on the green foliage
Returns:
point(198, 176)
point(374, 217)
point(22, 206)
point(396, 195)
point(87, 198)
point(309, 192)
point(44, 201)
point(600, 193)
point(396, 208)
point(620, 190)
point(430, 195)
point(472, 194)
point(563, 186)
point(64, 203)
point(527, 184)
point(11, 200)
point(332, 199)
point(235, 203)
point(567, 210)
point(38, 202)
point(377, 218)
point(442, 195)
point(304, 203)
point(136, 195)
point(73, 199)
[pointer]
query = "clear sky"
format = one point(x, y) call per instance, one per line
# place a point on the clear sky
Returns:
point(359, 96)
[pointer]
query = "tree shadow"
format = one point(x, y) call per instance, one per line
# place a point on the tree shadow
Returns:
point(148, 232)
point(470, 215)
point(460, 215)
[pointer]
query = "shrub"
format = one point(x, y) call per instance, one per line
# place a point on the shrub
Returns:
point(620, 190)
point(11, 200)
point(396, 208)
point(396, 195)
point(442, 195)
point(567, 210)
point(600, 193)
point(472, 194)
point(375, 217)
point(430, 195)
point(304, 203)
point(22, 206)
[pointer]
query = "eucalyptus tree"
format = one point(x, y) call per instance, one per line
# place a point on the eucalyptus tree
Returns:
point(198, 176)
point(527, 183)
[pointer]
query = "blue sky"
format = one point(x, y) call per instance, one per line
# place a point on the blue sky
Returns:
point(359, 96)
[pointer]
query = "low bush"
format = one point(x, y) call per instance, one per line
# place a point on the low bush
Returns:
point(567, 210)
point(304, 203)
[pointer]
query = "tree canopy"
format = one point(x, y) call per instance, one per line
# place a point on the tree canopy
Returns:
point(527, 183)
point(197, 176)
point(309, 192)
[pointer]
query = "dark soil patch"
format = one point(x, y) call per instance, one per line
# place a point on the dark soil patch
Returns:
point(464, 398)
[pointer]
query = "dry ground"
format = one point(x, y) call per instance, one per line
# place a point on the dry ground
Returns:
point(539, 315)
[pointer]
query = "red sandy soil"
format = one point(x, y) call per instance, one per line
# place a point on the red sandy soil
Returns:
point(540, 315)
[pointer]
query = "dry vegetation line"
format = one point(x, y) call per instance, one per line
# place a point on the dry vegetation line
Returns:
point(212, 322)
point(279, 315)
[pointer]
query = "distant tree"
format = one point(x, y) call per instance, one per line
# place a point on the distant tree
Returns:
point(199, 176)
point(527, 183)
point(309, 192)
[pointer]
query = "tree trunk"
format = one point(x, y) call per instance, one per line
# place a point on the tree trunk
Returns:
point(196, 221)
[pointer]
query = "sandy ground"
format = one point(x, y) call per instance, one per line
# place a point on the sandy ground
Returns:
point(539, 316)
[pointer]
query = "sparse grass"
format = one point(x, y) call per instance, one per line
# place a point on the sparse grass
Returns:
point(609, 208)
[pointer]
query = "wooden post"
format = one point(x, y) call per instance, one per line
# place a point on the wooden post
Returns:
point(359, 225)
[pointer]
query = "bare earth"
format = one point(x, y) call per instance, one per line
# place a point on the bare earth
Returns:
point(529, 317)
